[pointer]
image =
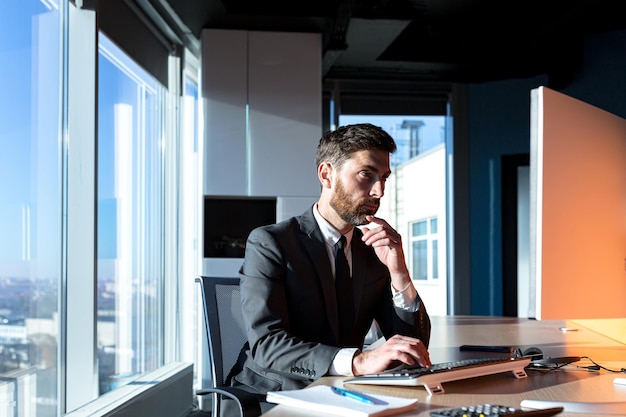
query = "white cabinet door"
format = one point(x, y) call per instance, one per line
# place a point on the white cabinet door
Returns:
point(262, 112)
point(224, 100)
point(285, 90)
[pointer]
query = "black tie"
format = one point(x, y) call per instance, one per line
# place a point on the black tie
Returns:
point(343, 287)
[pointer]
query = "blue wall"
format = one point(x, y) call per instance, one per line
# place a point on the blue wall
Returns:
point(499, 124)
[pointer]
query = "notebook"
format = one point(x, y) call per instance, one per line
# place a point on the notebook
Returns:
point(321, 399)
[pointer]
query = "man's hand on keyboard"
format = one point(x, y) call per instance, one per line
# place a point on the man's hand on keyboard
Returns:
point(398, 349)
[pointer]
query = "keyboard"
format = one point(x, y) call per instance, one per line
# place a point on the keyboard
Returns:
point(433, 376)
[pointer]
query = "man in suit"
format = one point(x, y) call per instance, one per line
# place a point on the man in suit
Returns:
point(290, 305)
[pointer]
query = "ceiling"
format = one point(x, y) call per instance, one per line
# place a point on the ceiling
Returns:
point(419, 40)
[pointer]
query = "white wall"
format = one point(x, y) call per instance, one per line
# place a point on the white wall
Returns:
point(422, 184)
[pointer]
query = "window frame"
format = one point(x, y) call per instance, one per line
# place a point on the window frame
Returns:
point(79, 380)
point(432, 259)
point(79, 377)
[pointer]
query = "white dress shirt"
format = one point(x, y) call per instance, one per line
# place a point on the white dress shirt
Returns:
point(342, 364)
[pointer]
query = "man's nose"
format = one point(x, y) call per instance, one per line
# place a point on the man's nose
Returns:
point(378, 189)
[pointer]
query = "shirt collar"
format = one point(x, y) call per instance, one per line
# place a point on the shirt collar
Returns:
point(331, 235)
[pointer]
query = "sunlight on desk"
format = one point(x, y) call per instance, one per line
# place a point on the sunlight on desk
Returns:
point(612, 328)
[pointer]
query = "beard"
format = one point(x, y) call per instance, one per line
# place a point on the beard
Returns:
point(350, 211)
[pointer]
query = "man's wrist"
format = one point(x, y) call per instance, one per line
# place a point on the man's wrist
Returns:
point(343, 363)
point(358, 363)
point(403, 288)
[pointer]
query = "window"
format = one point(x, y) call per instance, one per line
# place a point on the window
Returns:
point(30, 237)
point(130, 269)
point(118, 226)
point(424, 256)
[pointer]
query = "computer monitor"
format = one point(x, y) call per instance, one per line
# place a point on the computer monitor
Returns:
point(577, 209)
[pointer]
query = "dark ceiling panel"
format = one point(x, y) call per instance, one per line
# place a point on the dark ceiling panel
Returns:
point(300, 8)
point(440, 40)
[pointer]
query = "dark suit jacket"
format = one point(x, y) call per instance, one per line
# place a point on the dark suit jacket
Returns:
point(290, 308)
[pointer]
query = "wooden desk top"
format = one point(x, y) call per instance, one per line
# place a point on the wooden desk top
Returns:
point(568, 384)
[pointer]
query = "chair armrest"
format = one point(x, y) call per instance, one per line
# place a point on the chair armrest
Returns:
point(248, 404)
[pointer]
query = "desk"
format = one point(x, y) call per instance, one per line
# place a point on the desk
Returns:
point(567, 384)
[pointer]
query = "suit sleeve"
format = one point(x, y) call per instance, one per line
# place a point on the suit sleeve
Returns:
point(396, 320)
point(276, 308)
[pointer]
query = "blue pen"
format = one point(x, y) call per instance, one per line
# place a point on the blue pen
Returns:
point(354, 395)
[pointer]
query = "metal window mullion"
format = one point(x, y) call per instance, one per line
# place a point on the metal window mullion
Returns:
point(80, 383)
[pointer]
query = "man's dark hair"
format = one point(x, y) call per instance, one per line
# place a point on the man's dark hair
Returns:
point(338, 145)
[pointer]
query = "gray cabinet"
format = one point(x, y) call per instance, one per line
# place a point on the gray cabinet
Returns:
point(262, 109)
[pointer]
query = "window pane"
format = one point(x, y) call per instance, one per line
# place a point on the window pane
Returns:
point(433, 226)
point(420, 260)
point(435, 258)
point(130, 266)
point(420, 229)
point(30, 241)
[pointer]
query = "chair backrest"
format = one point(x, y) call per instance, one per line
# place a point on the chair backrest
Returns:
point(223, 321)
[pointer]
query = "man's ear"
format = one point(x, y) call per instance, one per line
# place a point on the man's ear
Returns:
point(325, 174)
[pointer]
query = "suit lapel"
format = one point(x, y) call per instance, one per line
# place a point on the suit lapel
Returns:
point(313, 242)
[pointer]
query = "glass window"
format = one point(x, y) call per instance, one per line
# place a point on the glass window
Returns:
point(420, 263)
point(420, 228)
point(30, 241)
point(130, 265)
point(38, 187)
point(425, 253)
point(434, 258)
point(415, 197)
point(433, 225)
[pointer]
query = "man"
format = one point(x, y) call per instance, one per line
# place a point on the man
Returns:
point(290, 306)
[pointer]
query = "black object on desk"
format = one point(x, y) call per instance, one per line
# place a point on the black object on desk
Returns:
point(493, 410)
point(484, 348)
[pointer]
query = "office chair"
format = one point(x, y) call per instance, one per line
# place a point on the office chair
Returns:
point(223, 321)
